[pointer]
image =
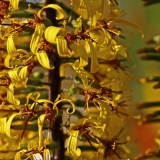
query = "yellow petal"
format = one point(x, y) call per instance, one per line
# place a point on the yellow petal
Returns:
point(14, 3)
point(36, 38)
point(124, 22)
point(67, 100)
point(46, 154)
point(62, 47)
point(3, 125)
point(19, 154)
point(10, 45)
point(81, 73)
point(37, 156)
point(90, 9)
point(72, 142)
point(43, 59)
point(83, 56)
point(32, 144)
point(61, 14)
point(10, 95)
point(41, 120)
point(8, 125)
point(106, 8)
point(7, 61)
point(94, 60)
point(13, 74)
point(23, 75)
point(51, 32)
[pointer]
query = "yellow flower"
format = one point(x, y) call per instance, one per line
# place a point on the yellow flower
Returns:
point(84, 127)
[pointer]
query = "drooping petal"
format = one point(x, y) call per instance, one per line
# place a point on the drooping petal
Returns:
point(94, 60)
point(8, 125)
point(36, 38)
point(81, 72)
point(46, 154)
point(3, 125)
point(10, 95)
point(23, 75)
point(10, 45)
point(61, 14)
point(37, 156)
point(14, 3)
point(72, 143)
point(7, 61)
point(43, 59)
point(83, 56)
point(41, 120)
point(32, 144)
point(62, 47)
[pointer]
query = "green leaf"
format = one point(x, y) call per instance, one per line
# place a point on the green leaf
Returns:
point(21, 14)
point(34, 82)
point(53, 145)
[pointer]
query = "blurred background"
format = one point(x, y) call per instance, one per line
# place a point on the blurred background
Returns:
point(147, 18)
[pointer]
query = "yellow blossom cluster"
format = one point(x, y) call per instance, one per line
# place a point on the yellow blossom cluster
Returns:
point(91, 49)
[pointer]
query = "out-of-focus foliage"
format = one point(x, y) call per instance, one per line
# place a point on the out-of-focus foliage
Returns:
point(150, 108)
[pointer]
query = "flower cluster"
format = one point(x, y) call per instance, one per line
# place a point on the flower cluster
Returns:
point(91, 50)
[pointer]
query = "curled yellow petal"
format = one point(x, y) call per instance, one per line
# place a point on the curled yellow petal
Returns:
point(19, 154)
point(72, 142)
point(36, 37)
point(43, 59)
point(61, 14)
point(67, 100)
point(62, 47)
point(8, 125)
point(51, 33)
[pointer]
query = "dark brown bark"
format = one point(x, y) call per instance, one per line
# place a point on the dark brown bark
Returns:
point(54, 79)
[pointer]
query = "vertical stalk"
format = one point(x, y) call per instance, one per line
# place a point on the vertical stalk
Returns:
point(54, 79)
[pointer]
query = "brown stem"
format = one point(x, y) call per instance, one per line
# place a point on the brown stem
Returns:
point(54, 79)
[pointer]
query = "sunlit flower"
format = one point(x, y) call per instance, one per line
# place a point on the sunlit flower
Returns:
point(84, 127)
